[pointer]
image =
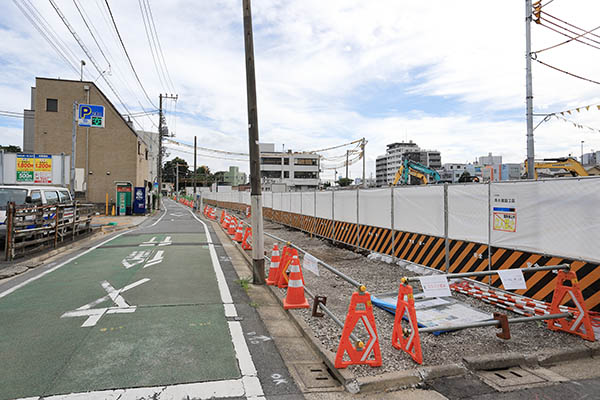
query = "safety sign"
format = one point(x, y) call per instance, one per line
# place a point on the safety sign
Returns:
point(91, 116)
point(505, 219)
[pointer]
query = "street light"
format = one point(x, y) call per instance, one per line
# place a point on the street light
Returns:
point(582, 152)
point(81, 76)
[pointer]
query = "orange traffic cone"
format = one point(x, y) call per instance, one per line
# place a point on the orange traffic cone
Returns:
point(222, 216)
point(273, 271)
point(295, 293)
point(238, 234)
point(247, 242)
point(232, 226)
point(225, 222)
point(213, 214)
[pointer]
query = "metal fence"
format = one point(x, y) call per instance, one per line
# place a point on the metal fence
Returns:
point(33, 228)
point(456, 228)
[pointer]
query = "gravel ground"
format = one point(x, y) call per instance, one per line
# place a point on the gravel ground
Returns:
point(381, 277)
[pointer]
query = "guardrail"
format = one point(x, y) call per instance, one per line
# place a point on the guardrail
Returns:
point(33, 228)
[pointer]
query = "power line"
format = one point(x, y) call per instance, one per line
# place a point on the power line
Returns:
point(178, 143)
point(207, 155)
point(566, 72)
point(127, 54)
point(567, 41)
point(91, 33)
point(568, 24)
point(46, 36)
point(576, 38)
point(150, 41)
point(159, 46)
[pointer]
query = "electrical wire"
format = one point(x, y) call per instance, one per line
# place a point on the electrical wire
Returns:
point(91, 33)
point(334, 147)
point(575, 124)
point(567, 41)
point(127, 54)
point(569, 36)
point(566, 72)
point(144, 16)
point(13, 114)
point(159, 46)
point(568, 24)
point(205, 155)
point(46, 36)
point(178, 143)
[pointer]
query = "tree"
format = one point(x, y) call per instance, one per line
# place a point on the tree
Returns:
point(344, 181)
point(203, 176)
point(11, 148)
point(170, 168)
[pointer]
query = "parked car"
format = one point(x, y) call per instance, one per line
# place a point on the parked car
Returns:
point(34, 195)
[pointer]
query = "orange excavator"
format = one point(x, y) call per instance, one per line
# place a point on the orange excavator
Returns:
point(565, 163)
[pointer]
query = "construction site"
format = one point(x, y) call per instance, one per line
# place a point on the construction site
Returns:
point(389, 243)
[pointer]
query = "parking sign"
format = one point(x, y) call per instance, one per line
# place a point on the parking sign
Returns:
point(91, 116)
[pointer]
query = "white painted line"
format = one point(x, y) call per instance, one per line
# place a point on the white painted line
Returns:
point(161, 217)
point(230, 310)
point(200, 390)
point(241, 349)
point(35, 278)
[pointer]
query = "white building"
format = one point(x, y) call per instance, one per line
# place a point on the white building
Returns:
point(490, 160)
point(298, 171)
point(386, 165)
point(592, 158)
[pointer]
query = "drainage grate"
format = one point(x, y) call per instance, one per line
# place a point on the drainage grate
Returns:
point(512, 378)
point(315, 376)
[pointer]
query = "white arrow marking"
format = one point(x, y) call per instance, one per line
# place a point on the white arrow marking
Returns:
point(135, 258)
point(150, 242)
point(166, 241)
point(94, 314)
point(157, 259)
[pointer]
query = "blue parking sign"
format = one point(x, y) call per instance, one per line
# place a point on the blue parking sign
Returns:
point(91, 116)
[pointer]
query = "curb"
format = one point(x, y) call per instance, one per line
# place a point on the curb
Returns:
point(372, 384)
point(397, 380)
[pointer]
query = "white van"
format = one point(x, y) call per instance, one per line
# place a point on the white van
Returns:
point(34, 195)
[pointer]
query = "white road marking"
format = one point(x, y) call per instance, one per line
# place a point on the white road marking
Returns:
point(135, 258)
point(94, 314)
point(252, 385)
point(161, 217)
point(166, 241)
point(35, 278)
point(150, 242)
point(157, 259)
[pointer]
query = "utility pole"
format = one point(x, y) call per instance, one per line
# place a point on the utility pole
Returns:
point(363, 145)
point(159, 169)
point(73, 149)
point(258, 261)
point(347, 156)
point(582, 152)
point(529, 91)
point(177, 179)
point(195, 150)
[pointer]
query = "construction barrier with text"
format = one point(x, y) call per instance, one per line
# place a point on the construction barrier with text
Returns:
point(457, 228)
point(285, 272)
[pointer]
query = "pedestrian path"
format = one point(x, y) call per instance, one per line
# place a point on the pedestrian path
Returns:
point(147, 309)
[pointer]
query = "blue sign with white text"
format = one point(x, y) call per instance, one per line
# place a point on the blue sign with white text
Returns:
point(91, 116)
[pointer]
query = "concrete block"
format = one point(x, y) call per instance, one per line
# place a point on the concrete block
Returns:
point(494, 361)
point(441, 371)
point(575, 353)
point(389, 381)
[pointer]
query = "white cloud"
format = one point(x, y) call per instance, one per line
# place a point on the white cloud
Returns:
point(315, 60)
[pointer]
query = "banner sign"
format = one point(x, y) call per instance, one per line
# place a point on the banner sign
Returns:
point(43, 168)
point(505, 219)
point(91, 116)
point(25, 167)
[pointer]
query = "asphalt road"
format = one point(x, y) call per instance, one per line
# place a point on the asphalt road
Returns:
point(158, 308)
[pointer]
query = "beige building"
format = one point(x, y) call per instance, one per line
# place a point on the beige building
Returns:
point(105, 157)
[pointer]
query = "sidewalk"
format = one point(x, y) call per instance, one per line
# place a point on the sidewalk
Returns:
point(121, 221)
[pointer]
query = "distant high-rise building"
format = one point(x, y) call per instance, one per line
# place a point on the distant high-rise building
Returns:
point(489, 160)
point(386, 165)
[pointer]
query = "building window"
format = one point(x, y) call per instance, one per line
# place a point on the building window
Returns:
point(271, 174)
point(305, 175)
point(286, 161)
point(139, 148)
point(305, 161)
point(52, 105)
point(286, 174)
point(270, 161)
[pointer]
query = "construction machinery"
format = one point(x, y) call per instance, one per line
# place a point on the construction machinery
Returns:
point(565, 163)
point(412, 168)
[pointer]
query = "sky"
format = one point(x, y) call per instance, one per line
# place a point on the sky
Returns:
point(448, 75)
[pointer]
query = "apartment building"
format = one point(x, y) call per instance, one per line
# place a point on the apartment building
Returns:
point(297, 171)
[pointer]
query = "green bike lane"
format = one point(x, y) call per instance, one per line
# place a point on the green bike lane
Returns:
point(142, 310)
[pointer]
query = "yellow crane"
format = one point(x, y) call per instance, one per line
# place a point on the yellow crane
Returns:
point(567, 163)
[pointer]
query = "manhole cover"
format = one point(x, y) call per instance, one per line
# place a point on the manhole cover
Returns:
point(511, 378)
point(315, 376)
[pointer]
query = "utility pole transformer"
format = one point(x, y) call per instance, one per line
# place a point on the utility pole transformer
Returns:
point(258, 260)
point(529, 89)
